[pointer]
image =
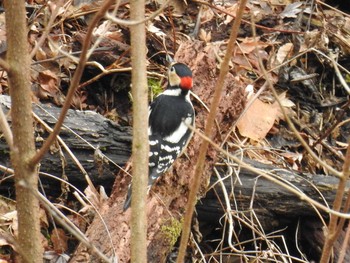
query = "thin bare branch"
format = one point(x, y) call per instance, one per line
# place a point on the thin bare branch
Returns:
point(137, 22)
point(5, 128)
point(339, 75)
point(140, 146)
point(332, 233)
point(208, 130)
point(47, 28)
point(74, 83)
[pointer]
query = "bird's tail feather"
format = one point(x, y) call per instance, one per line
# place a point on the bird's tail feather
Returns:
point(128, 199)
point(127, 203)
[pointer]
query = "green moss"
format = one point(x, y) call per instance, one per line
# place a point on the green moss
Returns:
point(155, 87)
point(172, 230)
point(347, 78)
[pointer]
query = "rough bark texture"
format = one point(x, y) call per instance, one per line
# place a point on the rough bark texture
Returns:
point(273, 205)
point(113, 140)
point(26, 176)
point(140, 147)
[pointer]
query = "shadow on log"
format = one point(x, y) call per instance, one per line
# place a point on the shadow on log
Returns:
point(91, 130)
point(273, 205)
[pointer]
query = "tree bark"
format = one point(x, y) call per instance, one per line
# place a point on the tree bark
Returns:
point(115, 142)
point(26, 176)
point(273, 206)
point(140, 146)
point(90, 130)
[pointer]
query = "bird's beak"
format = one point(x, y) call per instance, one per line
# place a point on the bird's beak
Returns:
point(169, 59)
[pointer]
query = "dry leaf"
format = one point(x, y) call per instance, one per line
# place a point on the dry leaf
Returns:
point(286, 104)
point(291, 10)
point(155, 30)
point(284, 52)
point(205, 36)
point(10, 219)
point(48, 84)
point(258, 120)
point(59, 240)
point(231, 10)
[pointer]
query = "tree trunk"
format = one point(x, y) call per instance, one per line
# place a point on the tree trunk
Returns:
point(140, 147)
point(26, 176)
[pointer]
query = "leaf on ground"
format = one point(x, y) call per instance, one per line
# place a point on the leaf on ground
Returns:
point(284, 52)
point(157, 31)
point(257, 120)
point(10, 220)
point(286, 103)
point(205, 36)
point(59, 240)
point(291, 10)
point(48, 84)
point(231, 10)
point(251, 44)
point(207, 14)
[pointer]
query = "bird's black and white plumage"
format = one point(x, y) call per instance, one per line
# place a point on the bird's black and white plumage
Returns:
point(170, 114)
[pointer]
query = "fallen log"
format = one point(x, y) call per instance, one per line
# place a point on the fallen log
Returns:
point(273, 205)
point(270, 201)
point(83, 133)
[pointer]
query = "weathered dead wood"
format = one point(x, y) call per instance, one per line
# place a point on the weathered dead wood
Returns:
point(113, 140)
point(273, 204)
point(168, 199)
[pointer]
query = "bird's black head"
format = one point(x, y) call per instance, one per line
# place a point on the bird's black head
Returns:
point(180, 75)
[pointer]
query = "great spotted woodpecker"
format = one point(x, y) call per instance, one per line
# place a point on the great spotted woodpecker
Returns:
point(170, 115)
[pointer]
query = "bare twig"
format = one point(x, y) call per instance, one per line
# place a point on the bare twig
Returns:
point(74, 83)
point(339, 75)
point(333, 234)
point(137, 22)
point(345, 245)
point(208, 129)
point(47, 28)
point(5, 128)
point(140, 146)
point(23, 132)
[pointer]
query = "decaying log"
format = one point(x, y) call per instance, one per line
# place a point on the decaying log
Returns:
point(273, 204)
point(273, 207)
point(168, 198)
point(90, 130)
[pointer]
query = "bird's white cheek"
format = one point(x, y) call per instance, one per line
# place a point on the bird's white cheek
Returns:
point(174, 79)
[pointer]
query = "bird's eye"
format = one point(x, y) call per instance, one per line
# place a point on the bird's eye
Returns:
point(172, 69)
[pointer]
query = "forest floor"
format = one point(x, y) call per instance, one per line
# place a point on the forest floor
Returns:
point(290, 66)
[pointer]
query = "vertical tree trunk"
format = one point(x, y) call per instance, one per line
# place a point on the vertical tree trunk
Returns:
point(140, 146)
point(29, 237)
